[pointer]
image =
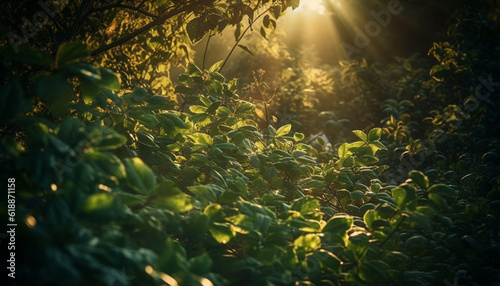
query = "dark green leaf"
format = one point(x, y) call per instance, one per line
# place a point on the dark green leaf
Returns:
point(419, 178)
point(375, 134)
point(71, 52)
point(139, 176)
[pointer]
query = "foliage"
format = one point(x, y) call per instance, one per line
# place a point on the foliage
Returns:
point(142, 40)
point(118, 184)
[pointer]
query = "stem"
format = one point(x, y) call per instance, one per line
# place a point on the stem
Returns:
point(205, 52)
point(393, 231)
point(147, 202)
point(241, 37)
point(119, 5)
point(78, 21)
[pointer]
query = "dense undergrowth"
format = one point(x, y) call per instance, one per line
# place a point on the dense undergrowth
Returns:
point(249, 184)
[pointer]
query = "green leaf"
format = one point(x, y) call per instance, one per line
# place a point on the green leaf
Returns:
point(328, 261)
point(158, 101)
point(196, 30)
point(201, 264)
point(298, 136)
point(215, 67)
point(315, 185)
point(266, 21)
point(98, 202)
point(214, 87)
point(416, 243)
point(87, 73)
point(109, 79)
point(375, 134)
point(307, 243)
point(217, 77)
point(369, 217)
point(198, 109)
point(108, 165)
point(403, 196)
point(174, 119)
point(201, 139)
point(111, 95)
point(345, 177)
point(198, 159)
point(246, 49)
point(139, 176)
point(71, 52)
point(222, 232)
point(213, 211)
point(357, 195)
point(207, 193)
point(420, 179)
point(244, 107)
point(184, 79)
point(443, 191)
point(251, 209)
point(72, 131)
point(53, 88)
point(271, 130)
point(344, 151)
point(337, 227)
point(255, 162)
point(306, 205)
point(226, 146)
point(263, 32)
point(194, 70)
point(223, 111)
point(385, 211)
point(172, 198)
point(396, 257)
point(260, 114)
point(376, 145)
point(440, 72)
point(374, 270)
point(139, 95)
point(283, 130)
point(360, 134)
point(109, 140)
point(439, 193)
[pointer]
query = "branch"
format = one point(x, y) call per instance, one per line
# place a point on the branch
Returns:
point(78, 20)
point(119, 5)
point(140, 4)
point(157, 21)
point(205, 52)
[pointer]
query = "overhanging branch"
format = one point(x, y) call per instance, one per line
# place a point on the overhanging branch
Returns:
point(157, 21)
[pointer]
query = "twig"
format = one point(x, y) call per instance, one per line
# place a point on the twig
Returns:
point(393, 231)
point(241, 37)
point(205, 52)
point(73, 30)
point(119, 5)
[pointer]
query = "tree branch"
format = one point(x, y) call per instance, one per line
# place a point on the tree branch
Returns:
point(157, 21)
point(78, 20)
point(119, 5)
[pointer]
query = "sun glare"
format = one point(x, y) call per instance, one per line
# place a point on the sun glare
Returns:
point(316, 6)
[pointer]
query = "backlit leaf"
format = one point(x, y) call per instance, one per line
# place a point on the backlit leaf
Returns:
point(283, 130)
